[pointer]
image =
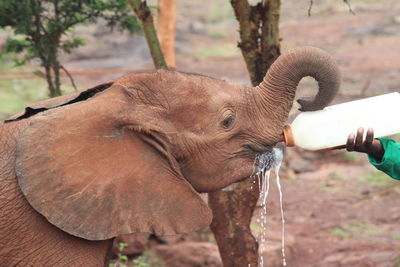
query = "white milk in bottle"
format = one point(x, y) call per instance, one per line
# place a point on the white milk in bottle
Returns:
point(331, 126)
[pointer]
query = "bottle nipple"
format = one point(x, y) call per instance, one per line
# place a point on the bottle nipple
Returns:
point(288, 135)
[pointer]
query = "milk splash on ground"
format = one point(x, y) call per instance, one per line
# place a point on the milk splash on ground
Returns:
point(264, 163)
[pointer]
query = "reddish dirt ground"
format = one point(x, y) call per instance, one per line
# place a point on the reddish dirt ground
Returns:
point(339, 211)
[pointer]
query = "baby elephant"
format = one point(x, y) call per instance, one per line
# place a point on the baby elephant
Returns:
point(132, 155)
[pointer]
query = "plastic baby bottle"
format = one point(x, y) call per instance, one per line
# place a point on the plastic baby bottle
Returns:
point(331, 126)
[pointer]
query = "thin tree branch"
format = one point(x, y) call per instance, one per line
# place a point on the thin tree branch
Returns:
point(310, 7)
point(143, 12)
point(70, 77)
point(349, 5)
point(347, 2)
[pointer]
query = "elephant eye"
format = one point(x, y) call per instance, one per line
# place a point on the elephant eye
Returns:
point(227, 122)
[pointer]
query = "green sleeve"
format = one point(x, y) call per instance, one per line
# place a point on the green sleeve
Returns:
point(390, 163)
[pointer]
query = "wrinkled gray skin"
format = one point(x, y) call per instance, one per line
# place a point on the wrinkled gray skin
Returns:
point(176, 134)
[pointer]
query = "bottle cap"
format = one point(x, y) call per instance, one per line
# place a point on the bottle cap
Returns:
point(288, 135)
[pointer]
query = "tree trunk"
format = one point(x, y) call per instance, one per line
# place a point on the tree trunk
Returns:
point(166, 20)
point(49, 80)
point(232, 213)
point(143, 12)
point(52, 71)
point(270, 40)
point(233, 210)
point(56, 71)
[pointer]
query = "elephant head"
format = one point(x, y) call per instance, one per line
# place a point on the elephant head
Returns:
point(132, 155)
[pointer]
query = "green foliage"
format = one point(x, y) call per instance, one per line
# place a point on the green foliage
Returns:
point(397, 262)
point(255, 226)
point(205, 236)
point(147, 260)
point(224, 51)
point(122, 246)
point(122, 260)
point(356, 229)
point(42, 23)
point(218, 12)
point(396, 238)
point(16, 94)
point(335, 176)
point(350, 156)
point(140, 262)
point(40, 29)
point(364, 228)
point(218, 34)
point(377, 178)
point(339, 232)
point(68, 45)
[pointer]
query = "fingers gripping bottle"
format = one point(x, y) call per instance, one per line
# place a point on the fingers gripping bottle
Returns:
point(331, 126)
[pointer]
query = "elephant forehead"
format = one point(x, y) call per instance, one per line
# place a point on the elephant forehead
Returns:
point(191, 106)
point(191, 115)
point(198, 112)
point(177, 89)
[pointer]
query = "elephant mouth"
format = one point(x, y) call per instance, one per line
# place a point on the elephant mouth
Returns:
point(254, 149)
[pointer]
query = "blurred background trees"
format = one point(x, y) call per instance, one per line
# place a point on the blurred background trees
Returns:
point(41, 29)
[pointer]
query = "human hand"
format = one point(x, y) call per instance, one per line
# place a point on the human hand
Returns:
point(370, 145)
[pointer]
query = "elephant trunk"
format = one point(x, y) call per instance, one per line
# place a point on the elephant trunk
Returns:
point(275, 94)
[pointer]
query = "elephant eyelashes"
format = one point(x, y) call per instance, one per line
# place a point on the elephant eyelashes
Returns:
point(227, 122)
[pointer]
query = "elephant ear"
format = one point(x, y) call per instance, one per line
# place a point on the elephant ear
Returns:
point(97, 179)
